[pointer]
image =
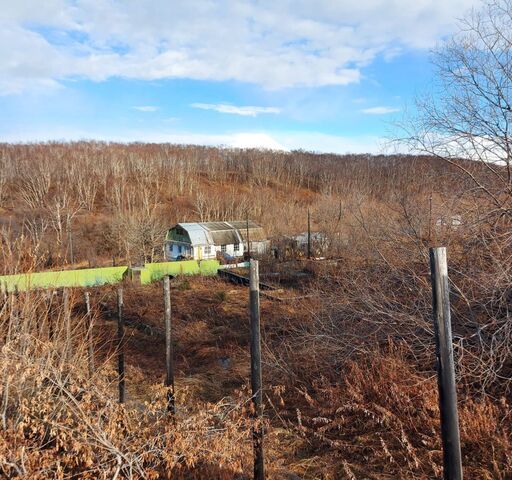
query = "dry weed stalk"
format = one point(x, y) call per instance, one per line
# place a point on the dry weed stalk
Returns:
point(57, 421)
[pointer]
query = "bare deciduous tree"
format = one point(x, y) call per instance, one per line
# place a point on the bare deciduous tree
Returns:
point(469, 114)
point(36, 181)
point(61, 211)
point(137, 228)
point(87, 188)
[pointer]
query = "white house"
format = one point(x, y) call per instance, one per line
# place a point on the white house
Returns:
point(204, 240)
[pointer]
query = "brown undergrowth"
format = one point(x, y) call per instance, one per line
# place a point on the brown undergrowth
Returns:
point(60, 422)
point(372, 415)
point(332, 413)
point(348, 364)
point(381, 420)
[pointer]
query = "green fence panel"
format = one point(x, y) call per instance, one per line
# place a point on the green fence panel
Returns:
point(152, 272)
point(209, 267)
point(89, 277)
point(94, 277)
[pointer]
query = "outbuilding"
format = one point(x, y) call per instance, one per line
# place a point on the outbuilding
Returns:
point(205, 240)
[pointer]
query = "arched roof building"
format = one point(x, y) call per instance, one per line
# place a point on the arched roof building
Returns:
point(201, 240)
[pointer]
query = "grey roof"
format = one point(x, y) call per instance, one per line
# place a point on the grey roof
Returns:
point(197, 233)
point(222, 233)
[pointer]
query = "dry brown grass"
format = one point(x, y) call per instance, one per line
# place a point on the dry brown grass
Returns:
point(349, 369)
point(57, 422)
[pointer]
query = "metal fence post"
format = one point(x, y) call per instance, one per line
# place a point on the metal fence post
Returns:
point(169, 360)
point(256, 380)
point(452, 459)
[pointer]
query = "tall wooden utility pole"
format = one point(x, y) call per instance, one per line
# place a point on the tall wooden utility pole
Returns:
point(248, 243)
point(430, 218)
point(70, 241)
point(309, 234)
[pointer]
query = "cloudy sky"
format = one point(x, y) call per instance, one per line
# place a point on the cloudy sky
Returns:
point(323, 75)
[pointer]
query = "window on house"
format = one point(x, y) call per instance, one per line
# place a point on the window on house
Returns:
point(223, 248)
point(237, 247)
point(179, 248)
point(207, 250)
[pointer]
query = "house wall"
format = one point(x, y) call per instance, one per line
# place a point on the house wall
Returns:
point(230, 250)
point(174, 250)
point(199, 252)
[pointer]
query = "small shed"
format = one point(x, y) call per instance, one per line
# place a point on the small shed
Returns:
point(205, 240)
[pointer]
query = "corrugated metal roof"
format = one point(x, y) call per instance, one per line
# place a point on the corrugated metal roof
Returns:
point(216, 226)
point(198, 235)
point(256, 232)
point(255, 235)
point(226, 237)
point(241, 224)
point(222, 233)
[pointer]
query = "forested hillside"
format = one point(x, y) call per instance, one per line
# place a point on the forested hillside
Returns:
point(348, 366)
point(116, 201)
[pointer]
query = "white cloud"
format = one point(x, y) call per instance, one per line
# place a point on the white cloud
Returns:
point(234, 140)
point(253, 140)
point(146, 108)
point(380, 110)
point(248, 111)
point(288, 140)
point(322, 142)
point(274, 43)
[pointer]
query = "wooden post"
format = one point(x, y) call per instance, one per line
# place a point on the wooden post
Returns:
point(309, 234)
point(169, 360)
point(430, 218)
point(47, 302)
point(13, 317)
point(70, 241)
point(67, 322)
point(256, 381)
point(120, 345)
point(248, 242)
point(445, 366)
point(51, 313)
point(90, 344)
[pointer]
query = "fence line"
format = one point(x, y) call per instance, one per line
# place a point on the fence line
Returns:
point(95, 277)
point(452, 459)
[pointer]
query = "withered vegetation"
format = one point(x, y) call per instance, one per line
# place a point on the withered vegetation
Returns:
point(349, 364)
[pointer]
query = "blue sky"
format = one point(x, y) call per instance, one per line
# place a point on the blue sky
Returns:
point(323, 76)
